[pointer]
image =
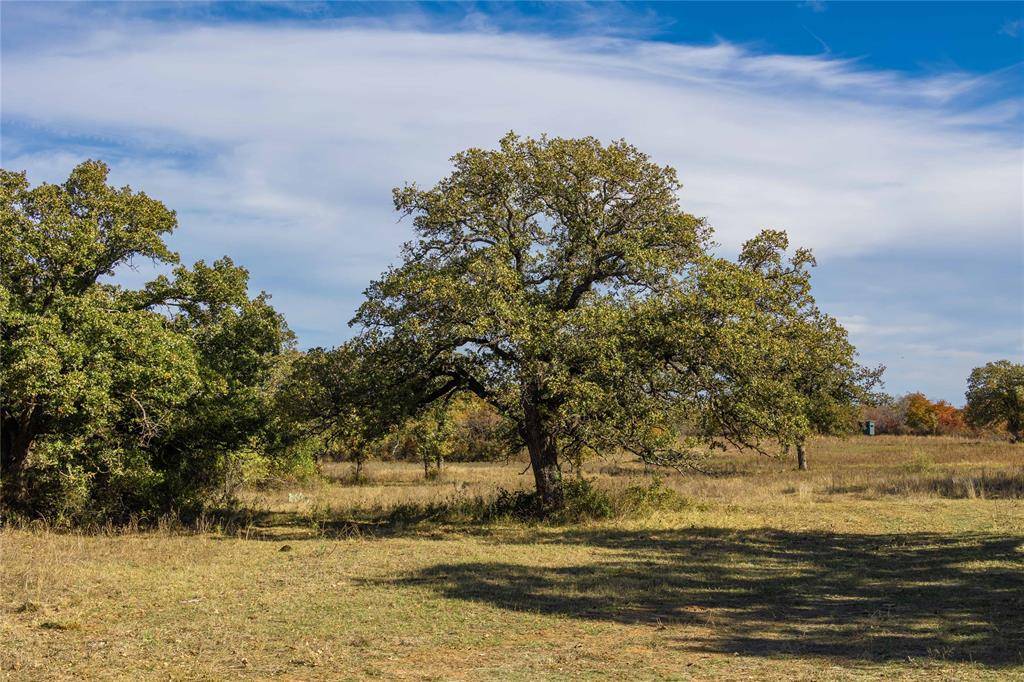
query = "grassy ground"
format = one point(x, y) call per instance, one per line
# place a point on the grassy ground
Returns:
point(891, 558)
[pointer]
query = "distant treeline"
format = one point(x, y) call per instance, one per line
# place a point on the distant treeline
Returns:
point(914, 414)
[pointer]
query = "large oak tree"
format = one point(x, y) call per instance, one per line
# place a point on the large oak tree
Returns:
point(560, 281)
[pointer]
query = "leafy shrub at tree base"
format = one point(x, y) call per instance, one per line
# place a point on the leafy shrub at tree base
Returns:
point(584, 501)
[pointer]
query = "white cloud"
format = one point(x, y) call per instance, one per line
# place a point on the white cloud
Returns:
point(1011, 28)
point(296, 136)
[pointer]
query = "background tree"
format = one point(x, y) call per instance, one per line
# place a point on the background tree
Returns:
point(329, 397)
point(914, 414)
point(950, 418)
point(118, 401)
point(559, 281)
point(886, 414)
point(469, 430)
point(921, 416)
point(832, 396)
point(432, 433)
point(479, 432)
point(995, 395)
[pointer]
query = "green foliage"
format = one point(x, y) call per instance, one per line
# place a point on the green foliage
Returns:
point(432, 432)
point(115, 401)
point(469, 430)
point(995, 395)
point(555, 281)
point(323, 402)
point(640, 500)
point(296, 461)
point(584, 501)
point(559, 281)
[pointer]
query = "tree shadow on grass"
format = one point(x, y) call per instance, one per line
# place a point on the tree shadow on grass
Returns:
point(772, 593)
point(429, 520)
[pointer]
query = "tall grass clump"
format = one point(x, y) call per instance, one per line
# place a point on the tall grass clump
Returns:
point(959, 485)
point(919, 464)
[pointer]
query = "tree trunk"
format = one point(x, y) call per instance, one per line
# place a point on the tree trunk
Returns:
point(544, 460)
point(548, 477)
point(16, 437)
point(801, 457)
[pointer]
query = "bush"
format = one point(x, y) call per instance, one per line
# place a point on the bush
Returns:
point(920, 464)
point(295, 463)
point(640, 500)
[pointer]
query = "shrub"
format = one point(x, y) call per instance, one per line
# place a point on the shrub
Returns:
point(584, 501)
point(640, 500)
point(919, 464)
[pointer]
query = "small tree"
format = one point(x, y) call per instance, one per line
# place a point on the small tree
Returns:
point(818, 359)
point(432, 434)
point(995, 395)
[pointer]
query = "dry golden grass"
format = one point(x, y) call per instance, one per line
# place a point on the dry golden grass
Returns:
point(892, 558)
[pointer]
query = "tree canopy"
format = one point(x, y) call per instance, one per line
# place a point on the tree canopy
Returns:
point(995, 395)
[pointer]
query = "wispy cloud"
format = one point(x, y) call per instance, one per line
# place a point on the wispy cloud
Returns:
point(1011, 28)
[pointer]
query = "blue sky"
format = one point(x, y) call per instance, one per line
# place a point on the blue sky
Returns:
point(888, 137)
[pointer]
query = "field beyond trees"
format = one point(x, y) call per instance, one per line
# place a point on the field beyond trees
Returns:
point(894, 557)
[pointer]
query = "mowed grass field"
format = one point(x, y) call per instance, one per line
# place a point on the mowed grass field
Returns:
point(893, 558)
